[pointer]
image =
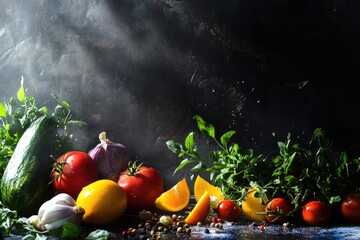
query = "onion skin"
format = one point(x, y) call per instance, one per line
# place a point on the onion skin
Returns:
point(111, 158)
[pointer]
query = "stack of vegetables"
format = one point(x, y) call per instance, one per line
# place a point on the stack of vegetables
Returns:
point(96, 187)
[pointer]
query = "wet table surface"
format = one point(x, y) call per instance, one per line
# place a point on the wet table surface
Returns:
point(242, 230)
point(245, 230)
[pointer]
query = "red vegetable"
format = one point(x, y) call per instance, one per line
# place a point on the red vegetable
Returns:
point(72, 171)
point(277, 210)
point(350, 207)
point(111, 158)
point(228, 210)
point(143, 185)
point(316, 213)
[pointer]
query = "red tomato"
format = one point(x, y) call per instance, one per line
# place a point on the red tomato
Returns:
point(73, 171)
point(277, 210)
point(143, 185)
point(316, 213)
point(228, 210)
point(350, 207)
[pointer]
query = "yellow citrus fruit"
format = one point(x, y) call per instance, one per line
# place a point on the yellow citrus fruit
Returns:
point(252, 206)
point(104, 201)
point(201, 210)
point(175, 199)
point(201, 186)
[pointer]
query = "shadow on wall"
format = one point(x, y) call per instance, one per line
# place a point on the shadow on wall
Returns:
point(140, 70)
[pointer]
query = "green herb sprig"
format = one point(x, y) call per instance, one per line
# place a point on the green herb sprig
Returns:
point(231, 168)
point(297, 173)
point(313, 172)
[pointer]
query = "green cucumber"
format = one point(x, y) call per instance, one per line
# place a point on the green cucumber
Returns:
point(24, 185)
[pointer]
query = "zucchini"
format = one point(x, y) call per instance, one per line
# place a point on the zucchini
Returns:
point(24, 184)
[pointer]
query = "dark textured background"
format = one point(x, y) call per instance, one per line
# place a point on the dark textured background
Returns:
point(140, 70)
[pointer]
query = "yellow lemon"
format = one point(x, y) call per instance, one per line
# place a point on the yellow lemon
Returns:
point(200, 211)
point(175, 199)
point(215, 193)
point(104, 201)
point(252, 206)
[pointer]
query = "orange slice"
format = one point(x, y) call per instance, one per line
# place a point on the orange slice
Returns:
point(201, 186)
point(252, 206)
point(200, 211)
point(175, 199)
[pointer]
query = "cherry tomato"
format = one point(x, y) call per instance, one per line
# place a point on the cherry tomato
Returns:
point(228, 210)
point(316, 213)
point(277, 209)
point(72, 171)
point(350, 207)
point(143, 185)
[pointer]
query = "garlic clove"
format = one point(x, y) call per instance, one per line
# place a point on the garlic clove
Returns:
point(43, 207)
point(55, 212)
point(64, 198)
point(33, 220)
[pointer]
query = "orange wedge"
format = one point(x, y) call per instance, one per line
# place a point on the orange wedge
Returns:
point(201, 186)
point(175, 199)
point(200, 211)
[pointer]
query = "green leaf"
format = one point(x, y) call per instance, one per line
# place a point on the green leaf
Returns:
point(70, 230)
point(290, 161)
point(76, 123)
point(335, 199)
point(21, 96)
point(43, 109)
point(98, 234)
point(290, 178)
point(225, 138)
point(28, 237)
point(281, 144)
point(183, 164)
point(40, 237)
point(61, 101)
point(189, 141)
point(198, 167)
point(2, 110)
point(206, 128)
point(174, 146)
point(276, 181)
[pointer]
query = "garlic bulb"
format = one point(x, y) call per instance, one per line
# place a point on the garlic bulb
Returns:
point(54, 212)
point(61, 198)
point(111, 158)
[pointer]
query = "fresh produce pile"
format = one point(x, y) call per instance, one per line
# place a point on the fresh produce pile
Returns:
point(310, 183)
point(50, 186)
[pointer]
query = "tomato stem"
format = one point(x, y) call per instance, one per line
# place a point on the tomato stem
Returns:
point(58, 168)
point(133, 168)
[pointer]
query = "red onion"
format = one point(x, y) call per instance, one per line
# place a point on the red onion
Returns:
point(111, 158)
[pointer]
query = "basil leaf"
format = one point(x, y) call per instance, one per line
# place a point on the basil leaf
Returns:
point(225, 138)
point(206, 128)
point(21, 96)
point(174, 146)
point(2, 110)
